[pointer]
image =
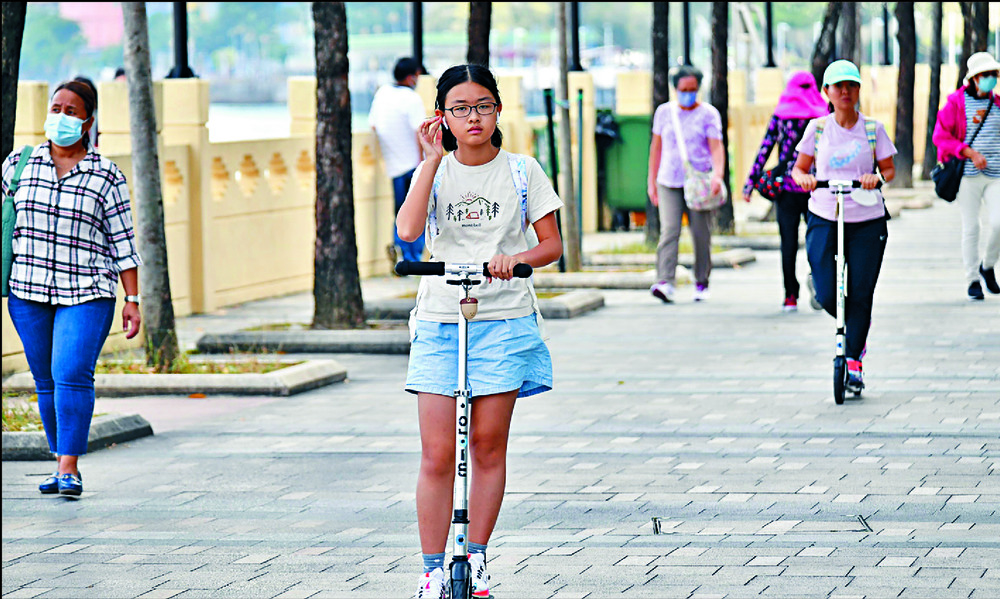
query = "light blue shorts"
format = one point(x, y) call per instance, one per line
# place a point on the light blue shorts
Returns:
point(504, 355)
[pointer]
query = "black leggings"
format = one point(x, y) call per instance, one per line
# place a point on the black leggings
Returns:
point(791, 208)
point(864, 247)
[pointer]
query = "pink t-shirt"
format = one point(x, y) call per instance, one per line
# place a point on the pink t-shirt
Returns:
point(698, 126)
point(844, 154)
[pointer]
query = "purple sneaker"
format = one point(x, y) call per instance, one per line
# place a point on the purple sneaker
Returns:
point(701, 292)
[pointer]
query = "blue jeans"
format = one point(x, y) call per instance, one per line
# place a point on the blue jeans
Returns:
point(864, 248)
point(412, 251)
point(62, 344)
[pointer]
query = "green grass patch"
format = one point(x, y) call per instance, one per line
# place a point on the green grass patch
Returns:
point(183, 365)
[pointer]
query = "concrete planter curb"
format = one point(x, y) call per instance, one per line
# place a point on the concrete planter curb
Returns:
point(308, 342)
point(731, 258)
point(374, 341)
point(105, 431)
point(282, 382)
point(568, 305)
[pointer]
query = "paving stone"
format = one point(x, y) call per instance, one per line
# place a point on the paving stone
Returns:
point(715, 418)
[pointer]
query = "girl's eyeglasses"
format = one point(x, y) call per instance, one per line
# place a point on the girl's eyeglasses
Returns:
point(483, 109)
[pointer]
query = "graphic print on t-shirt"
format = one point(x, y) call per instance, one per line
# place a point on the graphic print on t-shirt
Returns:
point(472, 210)
point(841, 159)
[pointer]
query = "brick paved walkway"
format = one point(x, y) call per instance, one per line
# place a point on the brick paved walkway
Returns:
point(717, 419)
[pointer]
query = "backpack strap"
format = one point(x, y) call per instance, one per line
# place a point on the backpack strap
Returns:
point(432, 223)
point(871, 131)
point(519, 172)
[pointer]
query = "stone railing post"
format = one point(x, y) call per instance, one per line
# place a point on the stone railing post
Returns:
point(185, 120)
point(32, 108)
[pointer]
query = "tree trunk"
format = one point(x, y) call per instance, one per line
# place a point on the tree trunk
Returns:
point(12, 25)
point(571, 226)
point(907, 38)
point(934, 99)
point(725, 219)
point(661, 95)
point(336, 283)
point(850, 32)
point(480, 14)
point(825, 48)
point(158, 307)
point(980, 26)
point(968, 16)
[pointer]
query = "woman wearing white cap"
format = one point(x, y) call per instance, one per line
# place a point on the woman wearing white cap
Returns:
point(968, 127)
point(846, 145)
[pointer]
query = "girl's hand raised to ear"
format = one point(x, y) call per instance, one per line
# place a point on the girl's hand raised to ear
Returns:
point(430, 138)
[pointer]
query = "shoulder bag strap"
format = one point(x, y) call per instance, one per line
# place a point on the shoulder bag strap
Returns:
point(982, 122)
point(15, 180)
point(677, 133)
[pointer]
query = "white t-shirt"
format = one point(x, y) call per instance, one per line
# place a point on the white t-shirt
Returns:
point(478, 215)
point(396, 113)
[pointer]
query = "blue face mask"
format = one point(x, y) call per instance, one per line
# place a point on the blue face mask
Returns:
point(62, 129)
point(687, 99)
point(986, 84)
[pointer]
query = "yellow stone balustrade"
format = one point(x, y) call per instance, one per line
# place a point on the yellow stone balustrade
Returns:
point(240, 215)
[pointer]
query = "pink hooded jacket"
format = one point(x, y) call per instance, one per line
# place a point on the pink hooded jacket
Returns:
point(949, 130)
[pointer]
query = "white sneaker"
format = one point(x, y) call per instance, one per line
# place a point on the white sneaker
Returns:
point(701, 292)
point(431, 585)
point(663, 290)
point(480, 579)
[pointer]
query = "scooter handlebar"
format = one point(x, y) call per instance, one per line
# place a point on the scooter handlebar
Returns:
point(844, 183)
point(404, 268)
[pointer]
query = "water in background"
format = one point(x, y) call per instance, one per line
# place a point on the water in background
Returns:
point(242, 122)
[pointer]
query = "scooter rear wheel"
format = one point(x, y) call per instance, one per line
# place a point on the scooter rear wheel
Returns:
point(839, 379)
point(461, 580)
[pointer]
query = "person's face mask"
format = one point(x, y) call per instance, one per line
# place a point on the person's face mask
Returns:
point(63, 130)
point(687, 99)
point(986, 84)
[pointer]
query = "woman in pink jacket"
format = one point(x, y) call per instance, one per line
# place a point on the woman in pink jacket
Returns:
point(974, 110)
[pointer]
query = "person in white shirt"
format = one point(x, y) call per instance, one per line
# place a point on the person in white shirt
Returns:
point(477, 204)
point(396, 114)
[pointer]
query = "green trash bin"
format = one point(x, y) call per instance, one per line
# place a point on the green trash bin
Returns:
point(627, 163)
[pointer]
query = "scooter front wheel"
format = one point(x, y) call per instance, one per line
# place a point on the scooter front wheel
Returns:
point(839, 378)
point(461, 580)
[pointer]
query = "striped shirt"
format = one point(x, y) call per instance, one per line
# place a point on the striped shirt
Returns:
point(72, 235)
point(987, 142)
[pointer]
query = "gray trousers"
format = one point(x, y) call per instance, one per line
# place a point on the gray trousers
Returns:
point(672, 208)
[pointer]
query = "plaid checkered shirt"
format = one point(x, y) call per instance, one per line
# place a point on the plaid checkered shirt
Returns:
point(72, 235)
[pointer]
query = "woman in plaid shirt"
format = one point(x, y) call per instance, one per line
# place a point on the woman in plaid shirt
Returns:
point(73, 238)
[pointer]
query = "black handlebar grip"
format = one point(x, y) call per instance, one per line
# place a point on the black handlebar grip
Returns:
point(521, 271)
point(405, 268)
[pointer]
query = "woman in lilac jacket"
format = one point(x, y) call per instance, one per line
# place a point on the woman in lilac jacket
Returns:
point(975, 106)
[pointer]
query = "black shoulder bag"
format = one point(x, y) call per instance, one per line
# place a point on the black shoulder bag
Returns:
point(948, 176)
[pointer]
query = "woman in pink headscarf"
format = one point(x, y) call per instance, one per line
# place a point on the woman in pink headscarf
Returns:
point(800, 103)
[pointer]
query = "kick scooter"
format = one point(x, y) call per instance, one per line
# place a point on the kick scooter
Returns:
point(865, 197)
point(460, 583)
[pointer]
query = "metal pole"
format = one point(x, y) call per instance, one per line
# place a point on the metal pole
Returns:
point(574, 30)
point(885, 34)
point(687, 33)
point(579, 164)
point(418, 32)
point(770, 34)
point(181, 69)
point(550, 111)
